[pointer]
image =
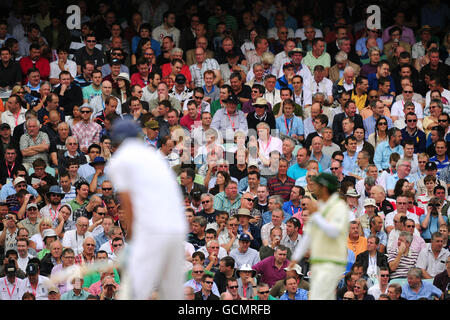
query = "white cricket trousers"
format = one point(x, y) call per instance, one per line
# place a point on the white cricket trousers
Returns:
point(156, 262)
point(324, 280)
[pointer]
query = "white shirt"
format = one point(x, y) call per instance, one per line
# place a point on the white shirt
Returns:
point(280, 59)
point(22, 262)
point(397, 109)
point(325, 86)
point(300, 33)
point(97, 230)
point(272, 144)
point(147, 95)
point(272, 97)
point(41, 289)
point(11, 291)
point(70, 66)
point(148, 182)
point(75, 241)
point(160, 32)
point(389, 220)
point(445, 93)
point(273, 33)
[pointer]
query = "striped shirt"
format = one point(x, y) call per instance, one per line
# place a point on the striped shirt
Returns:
point(277, 187)
point(197, 73)
point(406, 263)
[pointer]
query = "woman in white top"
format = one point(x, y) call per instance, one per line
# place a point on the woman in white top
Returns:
point(38, 242)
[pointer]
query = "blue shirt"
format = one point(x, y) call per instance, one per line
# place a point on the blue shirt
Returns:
point(290, 208)
point(428, 290)
point(154, 44)
point(349, 162)
point(433, 225)
point(70, 295)
point(267, 216)
point(295, 171)
point(393, 179)
point(373, 82)
point(380, 234)
point(283, 79)
point(301, 294)
point(8, 190)
point(290, 126)
point(382, 154)
point(324, 162)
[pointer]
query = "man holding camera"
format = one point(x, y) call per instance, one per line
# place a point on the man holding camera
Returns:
point(433, 218)
point(11, 287)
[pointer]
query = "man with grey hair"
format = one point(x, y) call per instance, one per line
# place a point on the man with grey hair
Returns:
point(34, 143)
point(403, 258)
point(74, 239)
point(416, 289)
point(197, 236)
point(403, 168)
point(432, 258)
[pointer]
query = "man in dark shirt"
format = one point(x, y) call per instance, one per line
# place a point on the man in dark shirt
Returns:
point(69, 93)
point(10, 71)
point(89, 52)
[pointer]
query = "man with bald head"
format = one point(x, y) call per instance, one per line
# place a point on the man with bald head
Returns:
point(202, 64)
point(98, 103)
point(74, 239)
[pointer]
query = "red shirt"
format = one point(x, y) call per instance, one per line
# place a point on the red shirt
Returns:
point(42, 64)
point(188, 122)
point(166, 69)
point(136, 78)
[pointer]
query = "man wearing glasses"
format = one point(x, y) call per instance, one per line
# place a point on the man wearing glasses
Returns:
point(412, 132)
point(87, 131)
point(74, 239)
point(197, 278)
point(89, 52)
point(206, 293)
point(397, 107)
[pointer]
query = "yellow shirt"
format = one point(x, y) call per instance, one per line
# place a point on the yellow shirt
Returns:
point(360, 101)
point(357, 246)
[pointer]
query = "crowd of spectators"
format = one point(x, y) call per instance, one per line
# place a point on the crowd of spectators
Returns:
point(246, 101)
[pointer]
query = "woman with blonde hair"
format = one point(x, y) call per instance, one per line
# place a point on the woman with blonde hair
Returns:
point(38, 239)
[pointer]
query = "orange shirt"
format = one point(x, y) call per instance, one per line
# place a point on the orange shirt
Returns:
point(357, 246)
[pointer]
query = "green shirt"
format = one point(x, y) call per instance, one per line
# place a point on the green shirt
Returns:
point(89, 92)
point(75, 205)
point(92, 278)
point(42, 253)
point(215, 105)
point(311, 61)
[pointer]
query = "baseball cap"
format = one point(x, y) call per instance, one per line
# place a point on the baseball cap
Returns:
point(232, 99)
point(18, 180)
point(122, 129)
point(32, 205)
point(115, 62)
point(97, 160)
point(180, 78)
point(431, 165)
point(4, 126)
point(244, 237)
point(31, 269)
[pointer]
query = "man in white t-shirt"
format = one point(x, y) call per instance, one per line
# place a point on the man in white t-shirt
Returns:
point(151, 199)
point(397, 108)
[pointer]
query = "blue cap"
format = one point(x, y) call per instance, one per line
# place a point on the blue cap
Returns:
point(56, 190)
point(244, 237)
point(124, 128)
point(97, 160)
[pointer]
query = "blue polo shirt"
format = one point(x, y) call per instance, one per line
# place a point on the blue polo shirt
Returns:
point(428, 290)
point(290, 208)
